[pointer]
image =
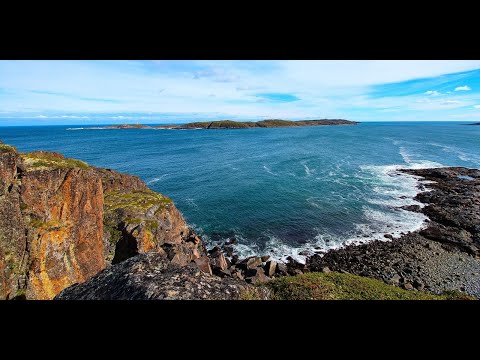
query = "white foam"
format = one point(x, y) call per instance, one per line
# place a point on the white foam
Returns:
point(267, 169)
point(308, 171)
point(154, 180)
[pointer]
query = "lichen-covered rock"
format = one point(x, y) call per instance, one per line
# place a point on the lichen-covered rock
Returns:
point(13, 244)
point(63, 214)
point(139, 221)
point(152, 277)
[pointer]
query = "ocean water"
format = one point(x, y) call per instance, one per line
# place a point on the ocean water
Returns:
point(282, 192)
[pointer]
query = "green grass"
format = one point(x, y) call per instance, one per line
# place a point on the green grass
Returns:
point(141, 200)
point(338, 286)
point(45, 160)
point(7, 148)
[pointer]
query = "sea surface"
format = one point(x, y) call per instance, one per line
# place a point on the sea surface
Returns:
point(284, 191)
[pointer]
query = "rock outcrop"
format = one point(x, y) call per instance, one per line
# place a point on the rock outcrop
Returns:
point(62, 221)
point(153, 277)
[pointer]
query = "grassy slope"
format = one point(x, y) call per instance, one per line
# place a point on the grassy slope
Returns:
point(337, 286)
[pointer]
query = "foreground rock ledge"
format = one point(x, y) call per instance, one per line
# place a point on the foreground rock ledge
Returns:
point(151, 276)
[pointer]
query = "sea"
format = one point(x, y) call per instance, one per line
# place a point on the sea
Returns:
point(277, 191)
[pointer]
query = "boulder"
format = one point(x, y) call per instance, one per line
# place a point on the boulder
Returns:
point(270, 268)
point(203, 264)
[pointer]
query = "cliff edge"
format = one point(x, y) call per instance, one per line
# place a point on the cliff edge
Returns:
point(62, 221)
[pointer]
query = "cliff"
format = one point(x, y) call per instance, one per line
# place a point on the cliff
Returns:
point(62, 221)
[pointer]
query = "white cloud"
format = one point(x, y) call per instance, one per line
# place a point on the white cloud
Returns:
point(463, 88)
point(41, 117)
point(476, 106)
point(432, 92)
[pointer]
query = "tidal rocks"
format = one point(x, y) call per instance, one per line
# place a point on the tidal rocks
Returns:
point(152, 277)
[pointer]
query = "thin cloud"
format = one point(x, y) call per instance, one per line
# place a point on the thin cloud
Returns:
point(432, 93)
point(476, 106)
point(463, 88)
point(450, 102)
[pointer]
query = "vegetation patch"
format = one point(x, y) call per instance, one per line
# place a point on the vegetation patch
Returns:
point(114, 234)
point(338, 286)
point(44, 161)
point(46, 225)
point(140, 200)
point(4, 148)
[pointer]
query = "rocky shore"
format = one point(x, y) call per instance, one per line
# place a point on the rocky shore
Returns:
point(442, 256)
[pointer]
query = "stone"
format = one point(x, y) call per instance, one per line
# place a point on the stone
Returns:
point(408, 286)
point(265, 258)
point(217, 261)
point(270, 268)
point(395, 279)
point(181, 259)
point(258, 277)
point(203, 264)
point(326, 269)
point(254, 262)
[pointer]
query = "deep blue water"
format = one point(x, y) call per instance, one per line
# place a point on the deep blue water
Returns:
point(278, 191)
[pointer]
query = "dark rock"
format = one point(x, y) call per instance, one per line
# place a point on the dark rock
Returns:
point(265, 258)
point(228, 250)
point(152, 277)
point(388, 236)
point(231, 241)
point(281, 269)
point(234, 259)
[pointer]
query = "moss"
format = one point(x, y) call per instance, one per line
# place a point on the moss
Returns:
point(152, 225)
point(337, 286)
point(23, 206)
point(252, 294)
point(46, 225)
point(7, 148)
point(141, 200)
point(134, 221)
point(115, 234)
point(39, 161)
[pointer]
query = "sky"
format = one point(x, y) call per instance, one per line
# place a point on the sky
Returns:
point(58, 92)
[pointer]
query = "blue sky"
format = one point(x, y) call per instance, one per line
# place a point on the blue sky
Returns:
point(161, 91)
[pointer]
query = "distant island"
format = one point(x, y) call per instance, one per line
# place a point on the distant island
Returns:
point(474, 124)
point(230, 124)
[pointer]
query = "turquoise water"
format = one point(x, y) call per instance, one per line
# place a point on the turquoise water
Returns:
point(277, 191)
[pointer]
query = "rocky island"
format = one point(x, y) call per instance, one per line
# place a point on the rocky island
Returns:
point(69, 230)
point(230, 124)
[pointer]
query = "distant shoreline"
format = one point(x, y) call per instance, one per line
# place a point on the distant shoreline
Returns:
point(230, 124)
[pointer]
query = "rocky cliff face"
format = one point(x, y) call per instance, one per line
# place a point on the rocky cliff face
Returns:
point(62, 221)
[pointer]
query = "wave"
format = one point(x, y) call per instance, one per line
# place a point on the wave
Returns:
point(87, 128)
point(154, 180)
point(462, 155)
